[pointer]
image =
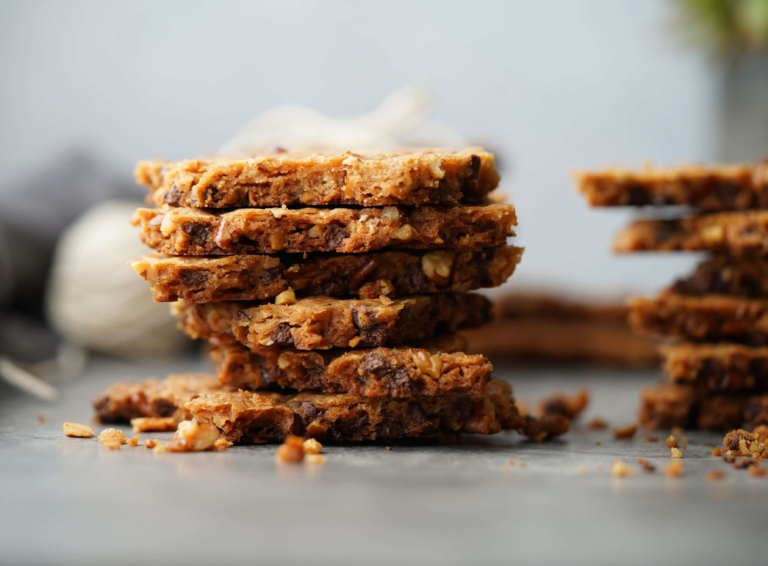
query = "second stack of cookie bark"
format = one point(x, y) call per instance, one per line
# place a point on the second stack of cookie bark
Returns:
point(716, 319)
point(335, 284)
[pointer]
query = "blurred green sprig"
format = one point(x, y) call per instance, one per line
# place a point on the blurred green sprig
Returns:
point(724, 28)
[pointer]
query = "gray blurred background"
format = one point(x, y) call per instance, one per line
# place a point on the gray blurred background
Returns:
point(90, 87)
point(550, 85)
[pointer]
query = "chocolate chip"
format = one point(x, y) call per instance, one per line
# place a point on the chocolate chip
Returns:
point(666, 230)
point(374, 364)
point(416, 414)
point(165, 408)
point(199, 233)
point(637, 196)
point(334, 236)
point(474, 165)
point(461, 409)
point(172, 197)
point(363, 272)
point(192, 277)
point(282, 335)
point(389, 428)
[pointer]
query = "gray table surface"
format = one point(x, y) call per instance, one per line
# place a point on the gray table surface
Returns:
point(71, 501)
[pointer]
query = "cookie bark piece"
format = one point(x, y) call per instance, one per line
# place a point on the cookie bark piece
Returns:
point(723, 187)
point(255, 417)
point(546, 327)
point(322, 323)
point(717, 367)
point(707, 318)
point(260, 277)
point(668, 405)
point(732, 233)
point(152, 397)
point(378, 372)
point(724, 275)
point(189, 231)
point(414, 178)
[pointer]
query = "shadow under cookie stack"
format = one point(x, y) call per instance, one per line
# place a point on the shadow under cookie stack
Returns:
point(714, 321)
point(330, 288)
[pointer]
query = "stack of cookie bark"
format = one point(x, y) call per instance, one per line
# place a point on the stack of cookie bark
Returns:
point(716, 319)
point(330, 288)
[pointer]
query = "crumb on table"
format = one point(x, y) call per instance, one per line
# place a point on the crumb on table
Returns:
point(676, 453)
point(619, 469)
point(646, 466)
point(627, 431)
point(291, 450)
point(674, 469)
point(76, 430)
point(112, 438)
point(714, 475)
point(312, 446)
point(597, 424)
point(671, 441)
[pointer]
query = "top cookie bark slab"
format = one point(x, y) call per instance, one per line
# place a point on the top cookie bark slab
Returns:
point(724, 187)
point(413, 178)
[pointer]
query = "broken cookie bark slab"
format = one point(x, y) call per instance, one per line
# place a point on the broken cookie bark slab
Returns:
point(668, 405)
point(725, 275)
point(260, 277)
point(378, 372)
point(288, 178)
point(736, 234)
point(719, 187)
point(152, 397)
point(322, 323)
point(707, 318)
point(244, 416)
point(717, 367)
point(189, 231)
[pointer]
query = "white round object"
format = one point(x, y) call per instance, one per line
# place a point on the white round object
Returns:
point(96, 300)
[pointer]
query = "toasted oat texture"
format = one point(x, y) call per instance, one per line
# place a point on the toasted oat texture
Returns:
point(542, 327)
point(379, 372)
point(413, 177)
point(668, 405)
point(189, 231)
point(321, 323)
point(260, 277)
point(244, 416)
point(717, 367)
point(719, 187)
point(724, 275)
point(734, 233)
point(124, 401)
point(707, 318)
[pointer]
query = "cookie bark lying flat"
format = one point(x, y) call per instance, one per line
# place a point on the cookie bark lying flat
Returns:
point(189, 231)
point(734, 233)
point(259, 277)
point(717, 367)
point(545, 327)
point(724, 275)
point(152, 397)
point(244, 416)
point(668, 406)
point(724, 187)
point(414, 178)
point(321, 323)
point(438, 369)
point(710, 318)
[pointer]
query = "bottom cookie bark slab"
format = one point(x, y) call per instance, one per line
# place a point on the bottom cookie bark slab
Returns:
point(668, 405)
point(244, 416)
point(436, 369)
point(717, 367)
